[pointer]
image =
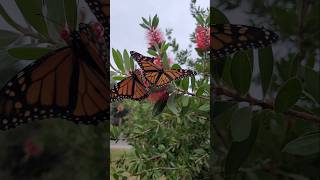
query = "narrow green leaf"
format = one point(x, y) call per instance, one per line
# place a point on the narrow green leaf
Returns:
point(55, 17)
point(165, 61)
point(241, 124)
point(158, 107)
point(241, 73)
point(240, 151)
point(305, 145)
point(70, 8)
point(204, 107)
point(288, 95)
point(7, 37)
point(145, 21)
point(155, 21)
point(217, 17)
point(126, 59)
point(118, 60)
point(31, 10)
point(266, 67)
point(144, 26)
point(185, 83)
point(193, 83)
point(185, 101)
point(312, 83)
point(172, 105)
point(152, 52)
point(8, 19)
point(200, 90)
point(118, 78)
point(28, 53)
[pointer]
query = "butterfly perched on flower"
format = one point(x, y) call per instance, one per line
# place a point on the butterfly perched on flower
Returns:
point(155, 74)
point(226, 39)
point(131, 87)
point(68, 83)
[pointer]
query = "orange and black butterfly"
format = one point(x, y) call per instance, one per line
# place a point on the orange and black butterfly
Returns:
point(131, 87)
point(155, 74)
point(67, 83)
point(228, 38)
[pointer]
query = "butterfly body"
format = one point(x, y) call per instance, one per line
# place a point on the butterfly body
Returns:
point(226, 39)
point(67, 83)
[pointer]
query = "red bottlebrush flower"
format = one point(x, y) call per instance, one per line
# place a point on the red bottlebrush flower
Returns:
point(31, 149)
point(203, 37)
point(154, 37)
point(162, 94)
point(64, 34)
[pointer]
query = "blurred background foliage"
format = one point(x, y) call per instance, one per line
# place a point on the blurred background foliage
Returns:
point(48, 149)
point(266, 125)
point(168, 131)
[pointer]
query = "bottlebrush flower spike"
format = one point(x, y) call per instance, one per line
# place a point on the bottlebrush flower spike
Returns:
point(162, 95)
point(202, 37)
point(154, 37)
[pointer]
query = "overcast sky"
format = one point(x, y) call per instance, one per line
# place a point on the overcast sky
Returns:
point(126, 33)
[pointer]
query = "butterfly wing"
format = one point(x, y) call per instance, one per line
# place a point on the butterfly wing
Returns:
point(155, 74)
point(229, 38)
point(132, 87)
point(68, 83)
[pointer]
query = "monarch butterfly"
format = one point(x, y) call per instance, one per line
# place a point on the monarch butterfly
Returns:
point(68, 83)
point(132, 87)
point(155, 74)
point(228, 38)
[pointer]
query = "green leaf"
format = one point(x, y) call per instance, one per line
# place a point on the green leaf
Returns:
point(70, 8)
point(8, 19)
point(193, 83)
point(172, 105)
point(165, 61)
point(155, 21)
point(241, 124)
point(241, 73)
point(118, 78)
point(28, 53)
point(200, 20)
point(266, 67)
point(158, 107)
point(185, 83)
point(144, 26)
point(118, 60)
point(288, 95)
point(201, 90)
point(7, 37)
point(152, 52)
point(312, 83)
point(240, 151)
point(204, 107)
point(31, 10)
point(55, 17)
point(217, 17)
point(126, 59)
point(185, 101)
point(145, 22)
point(308, 144)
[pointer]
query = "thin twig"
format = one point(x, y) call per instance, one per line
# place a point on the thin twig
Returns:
point(303, 115)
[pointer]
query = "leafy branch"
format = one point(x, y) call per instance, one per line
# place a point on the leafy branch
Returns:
point(265, 105)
